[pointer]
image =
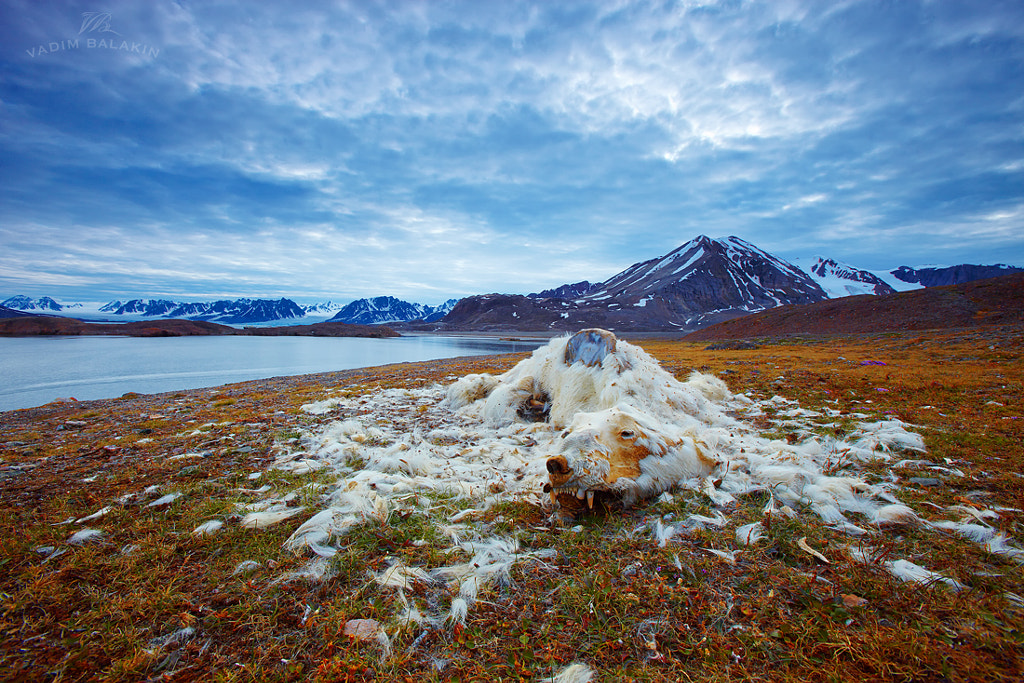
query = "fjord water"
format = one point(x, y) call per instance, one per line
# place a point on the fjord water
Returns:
point(37, 370)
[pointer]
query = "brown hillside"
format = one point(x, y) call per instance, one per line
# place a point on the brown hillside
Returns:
point(996, 301)
point(53, 325)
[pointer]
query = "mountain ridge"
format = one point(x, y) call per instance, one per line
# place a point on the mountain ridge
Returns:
point(951, 275)
point(990, 301)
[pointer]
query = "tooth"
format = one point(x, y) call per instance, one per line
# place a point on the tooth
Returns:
point(590, 499)
point(554, 496)
point(580, 493)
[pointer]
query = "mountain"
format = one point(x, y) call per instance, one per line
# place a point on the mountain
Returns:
point(710, 278)
point(388, 309)
point(150, 308)
point(703, 281)
point(437, 312)
point(572, 291)
point(839, 279)
point(992, 301)
point(250, 311)
point(322, 308)
point(228, 312)
point(24, 303)
point(952, 275)
point(6, 312)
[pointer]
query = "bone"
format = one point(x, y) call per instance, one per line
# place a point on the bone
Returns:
point(589, 347)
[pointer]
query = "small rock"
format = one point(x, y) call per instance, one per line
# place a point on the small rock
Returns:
point(246, 567)
point(854, 600)
point(363, 629)
point(926, 481)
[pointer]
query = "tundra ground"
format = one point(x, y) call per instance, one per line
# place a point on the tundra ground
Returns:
point(146, 599)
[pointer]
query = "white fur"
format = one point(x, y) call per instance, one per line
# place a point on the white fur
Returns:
point(261, 520)
point(628, 376)
point(749, 534)
point(908, 571)
point(574, 673)
point(208, 528)
point(449, 454)
point(85, 536)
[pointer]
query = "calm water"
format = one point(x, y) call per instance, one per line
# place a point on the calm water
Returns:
point(37, 370)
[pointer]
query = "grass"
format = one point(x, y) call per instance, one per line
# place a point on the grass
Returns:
point(109, 610)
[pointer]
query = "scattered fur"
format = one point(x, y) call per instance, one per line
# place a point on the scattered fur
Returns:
point(574, 673)
point(404, 451)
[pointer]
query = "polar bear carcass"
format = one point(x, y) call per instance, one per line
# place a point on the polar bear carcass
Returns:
point(630, 429)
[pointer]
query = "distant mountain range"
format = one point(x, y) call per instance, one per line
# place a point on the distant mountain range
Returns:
point(24, 303)
point(380, 310)
point(239, 311)
point(702, 282)
point(388, 309)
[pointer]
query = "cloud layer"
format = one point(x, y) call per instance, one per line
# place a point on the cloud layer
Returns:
point(429, 150)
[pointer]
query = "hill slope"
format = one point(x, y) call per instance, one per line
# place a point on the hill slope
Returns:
point(981, 302)
point(39, 325)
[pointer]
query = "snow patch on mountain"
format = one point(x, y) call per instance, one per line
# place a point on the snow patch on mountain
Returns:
point(840, 279)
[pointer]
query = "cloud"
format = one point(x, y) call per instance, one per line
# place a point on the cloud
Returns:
point(443, 149)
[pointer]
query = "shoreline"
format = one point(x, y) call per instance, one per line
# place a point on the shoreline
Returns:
point(54, 326)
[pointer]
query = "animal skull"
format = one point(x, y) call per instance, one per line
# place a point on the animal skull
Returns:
point(624, 453)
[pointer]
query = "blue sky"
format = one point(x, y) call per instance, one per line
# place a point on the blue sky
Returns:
point(427, 150)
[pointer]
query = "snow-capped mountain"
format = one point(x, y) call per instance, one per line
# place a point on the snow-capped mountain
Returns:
point(321, 308)
point(840, 279)
point(24, 303)
point(236, 312)
point(703, 281)
point(706, 280)
point(387, 309)
point(149, 307)
point(435, 313)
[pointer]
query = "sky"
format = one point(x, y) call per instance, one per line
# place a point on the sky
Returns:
point(432, 150)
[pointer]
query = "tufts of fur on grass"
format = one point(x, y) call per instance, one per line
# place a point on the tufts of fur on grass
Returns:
point(396, 450)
